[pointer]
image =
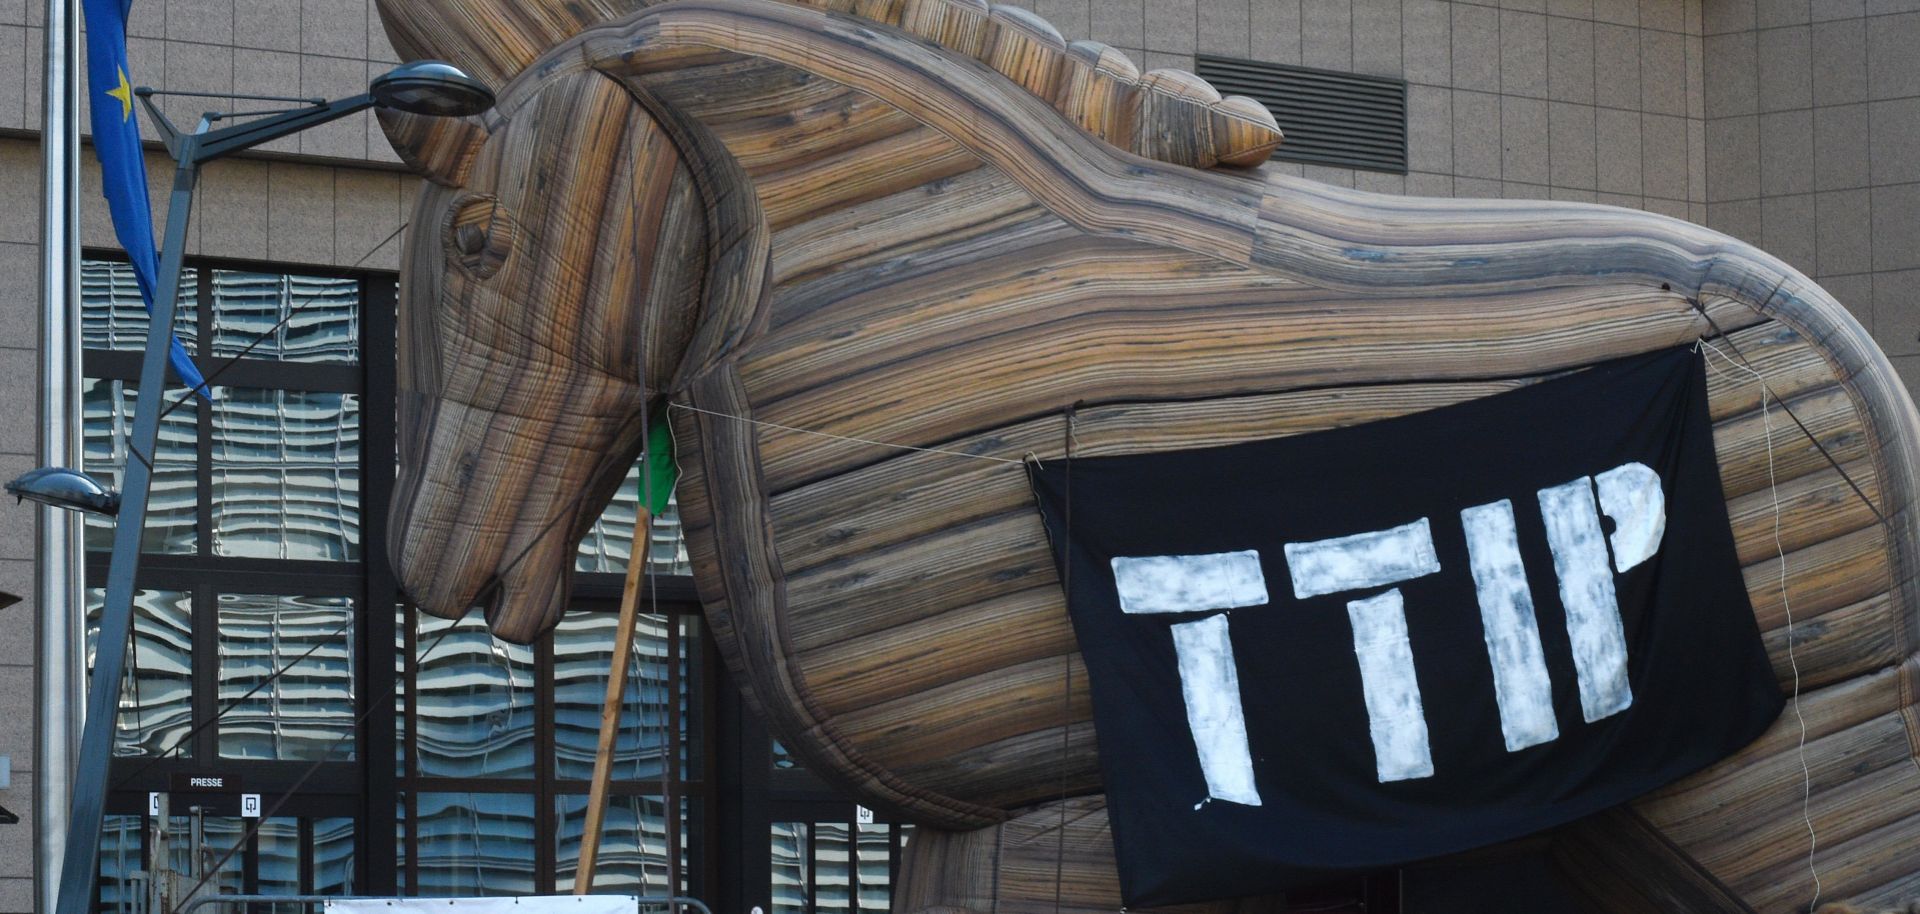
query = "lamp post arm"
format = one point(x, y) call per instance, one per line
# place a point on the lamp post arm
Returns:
point(213, 144)
point(116, 617)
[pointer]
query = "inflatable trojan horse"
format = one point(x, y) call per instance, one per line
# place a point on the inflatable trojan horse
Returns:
point(797, 230)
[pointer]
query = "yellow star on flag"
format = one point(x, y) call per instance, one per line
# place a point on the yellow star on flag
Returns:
point(124, 93)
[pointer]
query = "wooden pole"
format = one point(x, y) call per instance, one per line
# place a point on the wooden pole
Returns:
point(610, 709)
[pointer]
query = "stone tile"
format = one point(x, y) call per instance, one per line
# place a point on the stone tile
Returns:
point(1170, 25)
point(1476, 48)
point(1161, 60)
point(1895, 131)
point(1276, 30)
point(1839, 61)
point(1223, 27)
point(1376, 37)
point(1844, 231)
point(329, 77)
point(1896, 228)
point(1896, 319)
point(1072, 23)
point(1855, 293)
point(1427, 42)
point(1523, 137)
point(17, 730)
point(1571, 147)
point(1840, 159)
point(1908, 368)
point(1664, 207)
point(1829, 10)
point(1630, 201)
point(19, 521)
point(1571, 9)
point(1326, 33)
point(1721, 16)
point(1740, 218)
point(1663, 73)
point(13, 12)
point(1664, 15)
point(1775, 13)
point(1338, 177)
point(1476, 135)
point(147, 66)
point(1422, 184)
point(1696, 161)
point(20, 292)
point(20, 428)
point(299, 213)
point(1570, 61)
point(13, 83)
point(1123, 24)
point(1617, 155)
point(1733, 158)
point(1523, 54)
point(16, 841)
point(1616, 67)
point(1379, 182)
point(1893, 67)
point(1786, 152)
point(269, 73)
point(1886, 7)
point(1663, 156)
point(1520, 190)
point(1785, 72)
point(364, 217)
point(20, 193)
point(1291, 169)
point(16, 635)
point(1525, 6)
point(202, 21)
point(335, 28)
point(1573, 195)
point(1693, 26)
point(1696, 77)
point(198, 68)
point(1618, 12)
point(272, 25)
point(35, 50)
point(1478, 188)
point(1732, 75)
point(1429, 129)
point(234, 204)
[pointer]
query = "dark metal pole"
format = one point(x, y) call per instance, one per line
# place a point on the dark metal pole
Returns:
point(116, 616)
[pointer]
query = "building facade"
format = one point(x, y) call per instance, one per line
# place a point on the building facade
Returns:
point(1793, 124)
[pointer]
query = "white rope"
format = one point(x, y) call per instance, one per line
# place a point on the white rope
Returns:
point(1806, 773)
point(808, 431)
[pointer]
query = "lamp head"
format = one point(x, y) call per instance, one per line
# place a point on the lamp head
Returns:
point(431, 87)
point(65, 488)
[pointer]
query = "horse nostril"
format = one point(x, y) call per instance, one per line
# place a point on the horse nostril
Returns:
point(469, 240)
point(478, 234)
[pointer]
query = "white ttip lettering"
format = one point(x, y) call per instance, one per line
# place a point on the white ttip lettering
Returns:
point(1209, 681)
point(1395, 718)
point(1586, 592)
point(1521, 686)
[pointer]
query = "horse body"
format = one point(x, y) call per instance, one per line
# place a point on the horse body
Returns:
point(819, 237)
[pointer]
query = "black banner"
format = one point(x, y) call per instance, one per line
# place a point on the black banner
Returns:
point(1371, 645)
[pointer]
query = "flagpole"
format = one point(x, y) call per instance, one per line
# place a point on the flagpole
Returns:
point(61, 682)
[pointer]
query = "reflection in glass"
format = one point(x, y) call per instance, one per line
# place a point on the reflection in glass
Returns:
point(306, 712)
point(286, 474)
point(633, 845)
point(582, 652)
point(106, 424)
point(475, 844)
point(692, 674)
point(400, 842)
point(475, 702)
point(279, 856)
point(333, 857)
point(783, 758)
point(259, 310)
point(788, 858)
point(400, 689)
point(121, 857)
point(832, 889)
point(114, 316)
point(223, 833)
point(872, 875)
point(156, 692)
point(609, 542)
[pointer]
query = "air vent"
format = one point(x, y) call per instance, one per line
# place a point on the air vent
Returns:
point(1329, 118)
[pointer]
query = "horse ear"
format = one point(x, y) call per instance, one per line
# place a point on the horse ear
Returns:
point(438, 148)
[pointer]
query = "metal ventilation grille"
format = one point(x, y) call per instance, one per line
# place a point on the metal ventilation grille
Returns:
point(1329, 118)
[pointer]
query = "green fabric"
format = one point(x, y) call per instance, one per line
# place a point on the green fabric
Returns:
point(661, 470)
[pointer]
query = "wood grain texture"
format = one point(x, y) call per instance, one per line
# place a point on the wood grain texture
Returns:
point(815, 226)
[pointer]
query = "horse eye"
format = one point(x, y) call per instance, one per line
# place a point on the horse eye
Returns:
point(479, 234)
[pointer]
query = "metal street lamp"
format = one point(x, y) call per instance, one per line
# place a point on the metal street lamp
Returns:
point(64, 488)
point(423, 87)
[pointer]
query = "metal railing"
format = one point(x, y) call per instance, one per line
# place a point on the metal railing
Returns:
point(670, 902)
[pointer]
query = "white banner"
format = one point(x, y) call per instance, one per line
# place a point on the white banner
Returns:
point(529, 904)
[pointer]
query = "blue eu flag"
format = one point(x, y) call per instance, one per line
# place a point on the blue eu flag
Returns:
point(123, 169)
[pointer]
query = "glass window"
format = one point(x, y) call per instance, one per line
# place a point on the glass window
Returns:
point(609, 542)
point(106, 426)
point(475, 709)
point(122, 858)
point(114, 316)
point(279, 856)
point(284, 316)
point(633, 845)
point(306, 712)
point(156, 692)
point(582, 651)
point(874, 878)
point(333, 856)
point(286, 474)
point(790, 868)
point(475, 844)
point(832, 883)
